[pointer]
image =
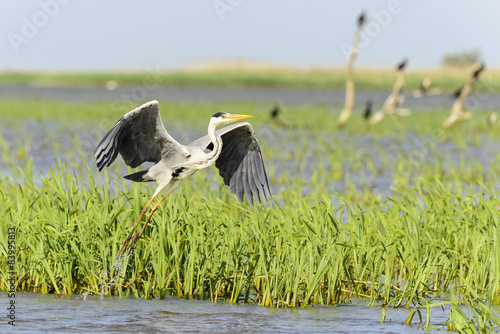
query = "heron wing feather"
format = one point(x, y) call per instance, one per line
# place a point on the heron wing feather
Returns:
point(240, 163)
point(139, 136)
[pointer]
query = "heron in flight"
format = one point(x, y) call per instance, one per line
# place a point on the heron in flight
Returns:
point(140, 136)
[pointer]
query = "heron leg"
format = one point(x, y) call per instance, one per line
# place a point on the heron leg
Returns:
point(160, 187)
point(125, 243)
point(173, 186)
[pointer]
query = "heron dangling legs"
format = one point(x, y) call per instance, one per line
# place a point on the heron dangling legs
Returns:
point(140, 136)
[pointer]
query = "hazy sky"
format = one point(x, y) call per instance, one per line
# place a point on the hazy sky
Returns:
point(127, 34)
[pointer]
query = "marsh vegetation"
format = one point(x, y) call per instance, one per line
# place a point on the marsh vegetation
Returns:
point(403, 214)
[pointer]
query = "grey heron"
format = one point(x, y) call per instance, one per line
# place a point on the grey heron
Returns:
point(140, 136)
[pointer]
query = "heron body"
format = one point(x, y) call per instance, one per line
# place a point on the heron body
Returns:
point(139, 136)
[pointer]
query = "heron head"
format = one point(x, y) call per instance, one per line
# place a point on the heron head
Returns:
point(223, 118)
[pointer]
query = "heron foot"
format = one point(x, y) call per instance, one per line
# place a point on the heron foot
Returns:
point(126, 247)
point(134, 241)
point(125, 244)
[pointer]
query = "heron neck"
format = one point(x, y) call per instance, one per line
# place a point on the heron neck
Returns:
point(216, 141)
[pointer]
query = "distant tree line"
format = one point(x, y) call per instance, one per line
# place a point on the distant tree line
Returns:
point(461, 58)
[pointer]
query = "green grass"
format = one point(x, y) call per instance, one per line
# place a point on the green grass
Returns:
point(329, 238)
point(448, 79)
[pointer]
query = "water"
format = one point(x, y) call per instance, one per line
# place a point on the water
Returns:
point(45, 142)
point(36, 313)
point(104, 285)
point(76, 142)
point(287, 96)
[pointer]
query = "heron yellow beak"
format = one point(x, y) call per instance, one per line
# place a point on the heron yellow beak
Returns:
point(237, 117)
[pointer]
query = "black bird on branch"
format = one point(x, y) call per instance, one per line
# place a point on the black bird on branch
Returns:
point(457, 92)
point(402, 65)
point(361, 19)
point(478, 71)
point(368, 110)
point(275, 111)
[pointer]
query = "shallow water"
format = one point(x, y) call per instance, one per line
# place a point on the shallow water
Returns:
point(44, 142)
point(216, 94)
point(37, 313)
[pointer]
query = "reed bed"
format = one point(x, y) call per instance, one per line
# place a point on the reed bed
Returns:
point(332, 235)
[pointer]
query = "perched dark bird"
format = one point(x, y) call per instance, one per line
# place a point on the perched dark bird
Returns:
point(361, 19)
point(368, 109)
point(478, 71)
point(275, 120)
point(457, 92)
point(402, 65)
point(275, 111)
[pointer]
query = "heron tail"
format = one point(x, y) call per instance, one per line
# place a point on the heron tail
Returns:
point(137, 177)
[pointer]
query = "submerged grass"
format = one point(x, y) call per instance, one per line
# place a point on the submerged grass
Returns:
point(330, 236)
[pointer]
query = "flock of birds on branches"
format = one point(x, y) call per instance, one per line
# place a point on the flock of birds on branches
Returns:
point(393, 103)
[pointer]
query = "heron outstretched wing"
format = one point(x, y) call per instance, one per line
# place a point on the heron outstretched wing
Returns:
point(240, 162)
point(139, 136)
